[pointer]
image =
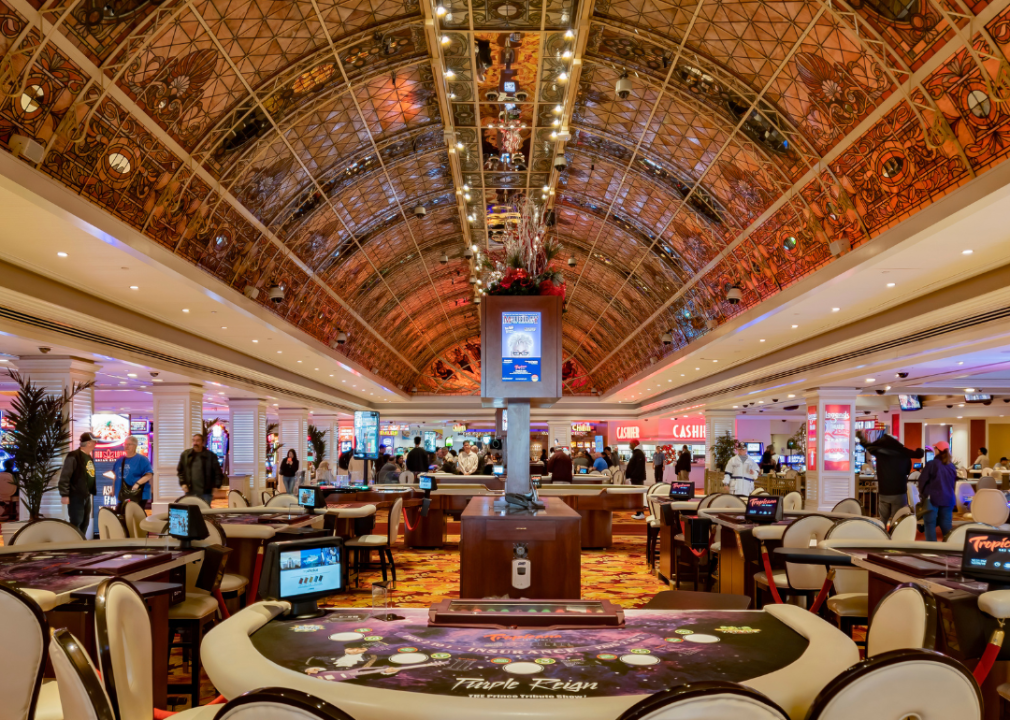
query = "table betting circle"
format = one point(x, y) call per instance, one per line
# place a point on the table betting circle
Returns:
point(654, 651)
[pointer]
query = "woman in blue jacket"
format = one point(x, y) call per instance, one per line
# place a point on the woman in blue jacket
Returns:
point(936, 484)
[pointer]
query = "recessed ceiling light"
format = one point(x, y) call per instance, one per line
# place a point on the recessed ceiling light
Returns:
point(734, 407)
point(969, 389)
point(186, 310)
point(960, 416)
point(331, 376)
point(280, 352)
point(761, 402)
point(890, 284)
point(869, 380)
point(224, 327)
point(761, 340)
point(795, 326)
point(791, 396)
point(961, 405)
point(299, 362)
point(255, 340)
point(697, 368)
point(835, 309)
point(343, 381)
point(961, 363)
point(61, 254)
point(715, 361)
point(967, 252)
point(131, 374)
point(155, 379)
point(134, 287)
point(123, 382)
point(887, 388)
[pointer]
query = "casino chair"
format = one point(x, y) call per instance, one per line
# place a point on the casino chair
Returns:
point(47, 530)
point(700, 561)
point(850, 603)
point(989, 506)
point(848, 505)
point(24, 633)
point(406, 477)
point(278, 703)
point(110, 525)
point(123, 639)
point(792, 501)
point(919, 684)
point(986, 483)
point(237, 499)
point(962, 473)
point(963, 495)
point(265, 496)
point(382, 543)
point(797, 580)
point(193, 500)
point(717, 700)
point(282, 500)
point(986, 472)
point(912, 491)
point(231, 583)
point(81, 691)
point(905, 618)
point(653, 522)
point(906, 528)
point(134, 514)
point(898, 516)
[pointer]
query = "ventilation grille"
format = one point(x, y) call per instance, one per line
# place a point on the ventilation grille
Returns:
point(159, 357)
point(954, 326)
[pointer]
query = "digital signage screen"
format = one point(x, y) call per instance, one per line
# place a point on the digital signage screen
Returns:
point(366, 434)
point(837, 435)
point(909, 402)
point(521, 346)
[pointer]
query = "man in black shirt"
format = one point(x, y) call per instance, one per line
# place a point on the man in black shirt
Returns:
point(77, 483)
point(199, 471)
point(636, 471)
point(894, 463)
point(417, 459)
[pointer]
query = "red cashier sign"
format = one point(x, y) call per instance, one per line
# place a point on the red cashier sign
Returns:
point(812, 437)
point(837, 434)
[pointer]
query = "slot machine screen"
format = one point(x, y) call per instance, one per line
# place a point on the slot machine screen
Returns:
point(763, 509)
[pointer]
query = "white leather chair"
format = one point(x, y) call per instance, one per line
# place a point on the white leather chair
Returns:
point(792, 501)
point(906, 529)
point(110, 527)
point(987, 472)
point(795, 579)
point(912, 491)
point(904, 619)
point(382, 543)
point(406, 477)
point(850, 603)
point(280, 704)
point(47, 530)
point(963, 491)
point(848, 505)
point(902, 684)
point(956, 537)
point(986, 483)
point(237, 499)
point(193, 500)
point(231, 583)
point(134, 514)
point(653, 522)
point(282, 500)
point(123, 637)
point(265, 496)
point(24, 638)
point(715, 700)
point(989, 507)
point(81, 691)
point(962, 473)
point(723, 501)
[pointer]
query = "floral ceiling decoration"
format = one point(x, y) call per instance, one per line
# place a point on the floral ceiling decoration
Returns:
point(752, 143)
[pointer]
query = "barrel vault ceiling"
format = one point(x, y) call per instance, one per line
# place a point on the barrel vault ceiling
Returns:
point(289, 142)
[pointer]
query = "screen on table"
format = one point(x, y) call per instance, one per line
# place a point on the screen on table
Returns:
point(425, 482)
point(986, 555)
point(306, 571)
point(178, 521)
point(976, 466)
point(307, 497)
point(681, 490)
point(762, 507)
point(917, 466)
point(498, 470)
point(583, 471)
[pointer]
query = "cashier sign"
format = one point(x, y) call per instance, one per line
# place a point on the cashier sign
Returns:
point(520, 345)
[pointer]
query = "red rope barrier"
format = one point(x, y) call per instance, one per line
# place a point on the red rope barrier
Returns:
point(981, 671)
point(823, 594)
point(220, 603)
point(406, 521)
point(768, 573)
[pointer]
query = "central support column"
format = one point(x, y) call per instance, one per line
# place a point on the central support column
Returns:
point(831, 475)
point(518, 478)
point(178, 416)
point(248, 448)
point(294, 432)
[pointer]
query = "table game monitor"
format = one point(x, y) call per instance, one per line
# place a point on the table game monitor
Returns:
point(427, 482)
point(302, 571)
point(583, 470)
point(986, 557)
point(681, 490)
point(498, 470)
point(186, 524)
point(763, 509)
point(310, 497)
point(976, 466)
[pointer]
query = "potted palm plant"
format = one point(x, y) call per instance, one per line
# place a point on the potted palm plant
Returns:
point(41, 437)
point(317, 439)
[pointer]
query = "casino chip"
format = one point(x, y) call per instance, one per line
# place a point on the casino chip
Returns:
point(704, 639)
point(524, 668)
point(606, 656)
point(674, 640)
point(682, 631)
point(345, 637)
point(545, 661)
point(639, 660)
point(407, 650)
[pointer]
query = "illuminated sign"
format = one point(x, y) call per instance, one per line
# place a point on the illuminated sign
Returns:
point(628, 432)
point(390, 430)
point(459, 428)
point(837, 436)
point(520, 346)
point(812, 437)
point(688, 431)
point(366, 434)
point(581, 427)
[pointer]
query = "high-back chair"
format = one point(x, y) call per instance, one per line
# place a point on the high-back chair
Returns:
point(282, 500)
point(265, 496)
point(193, 500)
point(280, 704)
point(989, 507)
point(725, 501)
point(848, 505)
point(231, 583)
point(81, 692)
point(237, 499)
point(797, 579)
point(653, 522)
point(133, 513)
point(406, 477)
point(904, 618)
point(906, 529)
point(912, 491)
point(47, 530)
point(850, 603)
point(716, 700)
point(110, 526)
point(963, 495)
point(24, 637)
point(956, 537)
point(986, 483)
point(382, 543)
point(987, 472)
point(908, 684)
point(792, 501)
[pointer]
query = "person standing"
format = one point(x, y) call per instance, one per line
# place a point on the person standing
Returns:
point(635, 471)
point(389, 473)
point(600, 464)
point(559, 465)
point(683, 466)
point(982, 460)
point(133, 474)
point(741, 472)
point(198, 470)
point(936, 486)
point(468, 460)
point(767, 463)
point(289, 470)
point(77, 483)
point(894, 463)
point(417, 459)
point(658, 462)
point(581, 460)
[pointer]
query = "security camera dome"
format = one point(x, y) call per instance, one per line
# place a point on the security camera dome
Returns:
point(419, 211)
point(468, 253)
point(572, 262)
point(667, 338)
point(623, 87)
point(341, 337)
point(276, 294)
point(444, 259)
point(734, 295)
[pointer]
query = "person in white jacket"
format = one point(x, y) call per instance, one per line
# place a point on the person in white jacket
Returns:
point(741, 472)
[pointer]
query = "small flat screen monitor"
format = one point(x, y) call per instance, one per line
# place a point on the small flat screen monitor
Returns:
point(977, 397)
point(310, 497)
point(681, 490)
point(498, 470)
point(583, 470)
point(535, 480)
point(976, 466)
point(909, 402)
point(929, 454)
point(427, 482)
point(763, 509)
point(917, 466)
point(186, 524)
point(755, 448)
point(986, 556)
point(302, 571)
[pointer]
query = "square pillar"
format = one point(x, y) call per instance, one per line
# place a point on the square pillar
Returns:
point(831, 442)
point(518, 449)
point(248, 448)
point(54, 373)
point(294, 433)
point(717, 424)
point(178, 416)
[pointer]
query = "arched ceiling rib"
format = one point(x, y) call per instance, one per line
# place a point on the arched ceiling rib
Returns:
point(288, 142)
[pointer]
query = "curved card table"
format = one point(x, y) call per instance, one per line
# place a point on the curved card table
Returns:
point(404, 670)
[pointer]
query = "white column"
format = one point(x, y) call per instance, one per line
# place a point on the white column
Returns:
point(294, 431)
point(248, 448)
point(178, 416)
point(330, 424)
point(54, 373)
point(831, 477)
point(559, 432)
point(717, 424)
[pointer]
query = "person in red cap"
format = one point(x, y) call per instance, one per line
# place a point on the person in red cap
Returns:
point(77, 483)
point(936, 488)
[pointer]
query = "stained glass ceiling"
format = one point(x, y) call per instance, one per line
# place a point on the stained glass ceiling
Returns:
point(347, 151)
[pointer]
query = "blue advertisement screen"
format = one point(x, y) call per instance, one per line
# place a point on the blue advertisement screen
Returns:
point(520, 346)
point(366, 434)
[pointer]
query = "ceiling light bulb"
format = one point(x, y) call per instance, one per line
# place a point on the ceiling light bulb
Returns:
point(558, 109)
point(440, 11)
point(546, 188)
point(554, 136)
point(556, 122)
point(887, 388)
point(790, 396)
point(134, 287)
point(466, 196)
point(563, 76)
point(445, 39)
point(452, 96)
point(449, 74)
point(466, 187)
point(761, 340)
point(569, 34)
point(835, 309)
point(255, 340)
point(185, 310)
point(967, 252)
point(795, 326)
point(969, 389)
point(566, 54)
point(890, 284)
point(459, 146)
point(869, 380)
point(61, 254)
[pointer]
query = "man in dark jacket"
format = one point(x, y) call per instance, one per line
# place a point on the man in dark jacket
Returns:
point(683, 466)
point(559, 465)
point(635, 472)
point(198, 470)
point(417, 459)
point(894, 463)
point(77, 483)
